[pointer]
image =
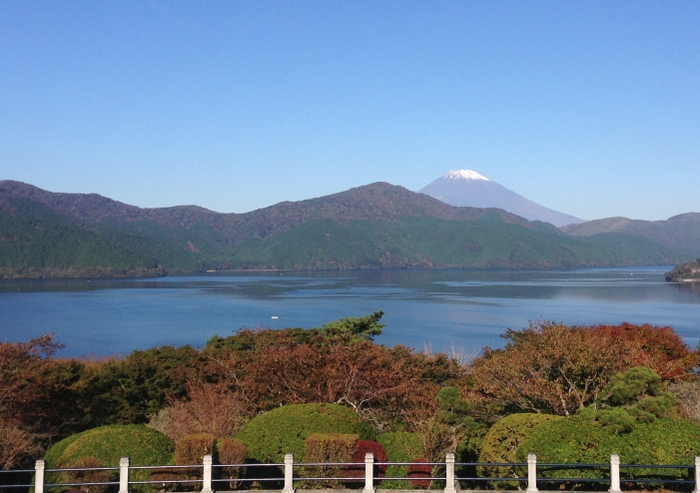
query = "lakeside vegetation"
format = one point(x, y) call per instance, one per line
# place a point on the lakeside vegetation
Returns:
point(569, 394)
point(688, 272)
point(378, 226)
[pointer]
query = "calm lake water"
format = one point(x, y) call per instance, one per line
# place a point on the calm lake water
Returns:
point(463, 310)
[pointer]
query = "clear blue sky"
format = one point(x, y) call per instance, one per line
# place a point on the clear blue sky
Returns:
point(588, 107)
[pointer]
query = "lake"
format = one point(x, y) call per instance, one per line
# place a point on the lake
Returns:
point(442, 310)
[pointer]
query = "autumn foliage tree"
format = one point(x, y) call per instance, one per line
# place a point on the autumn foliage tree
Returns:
point(546, 368)
point(556, 369)
point(381, 384)
point(208, 408)
point(134, 388)
point(36, 397)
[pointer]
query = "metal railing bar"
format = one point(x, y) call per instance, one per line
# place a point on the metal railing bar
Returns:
point(250, 480)
point(167, 481)
point(574, 480)
point(657, 480)
point(106, 483)
point(72, 469)
point(330, 464)
point(625, 474)
point(571, 466)
point(492, 464)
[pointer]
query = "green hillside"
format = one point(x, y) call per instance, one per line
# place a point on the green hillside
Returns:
point(679, 234)
point(379, 226)
point(35, 240)
point(414, 242)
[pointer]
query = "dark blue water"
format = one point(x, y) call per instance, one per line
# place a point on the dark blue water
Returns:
point(460, 310)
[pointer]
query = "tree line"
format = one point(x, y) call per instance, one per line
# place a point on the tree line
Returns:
point(612, 377)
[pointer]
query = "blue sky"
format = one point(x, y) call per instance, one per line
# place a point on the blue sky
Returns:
point(590, 107)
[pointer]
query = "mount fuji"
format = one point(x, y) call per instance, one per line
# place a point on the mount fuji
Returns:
point(467, 188)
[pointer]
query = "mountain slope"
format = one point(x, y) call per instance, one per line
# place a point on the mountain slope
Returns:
point(371, 227)
point(467, 188)
point(34, 239)
point(424, 242)
point(679, 233)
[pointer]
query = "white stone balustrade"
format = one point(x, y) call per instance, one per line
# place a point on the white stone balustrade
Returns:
point(451, 485)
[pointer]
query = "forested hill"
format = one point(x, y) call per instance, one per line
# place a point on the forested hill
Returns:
point(371, 227)
point(679, 233)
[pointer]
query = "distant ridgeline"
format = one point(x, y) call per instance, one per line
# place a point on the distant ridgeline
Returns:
point(688, 272)
point(377, 226)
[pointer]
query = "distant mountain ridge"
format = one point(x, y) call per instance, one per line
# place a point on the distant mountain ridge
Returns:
point(680, 233)
point(376, 202)
point(377, 226)
point(467, 188)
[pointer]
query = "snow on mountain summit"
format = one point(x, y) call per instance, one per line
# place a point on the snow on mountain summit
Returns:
point(464, 174)
point(467, 188)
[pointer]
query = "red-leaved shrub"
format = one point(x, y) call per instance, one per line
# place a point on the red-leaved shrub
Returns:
point(419, 473)
point(362, 447)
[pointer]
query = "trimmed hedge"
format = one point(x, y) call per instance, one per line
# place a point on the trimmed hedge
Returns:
point(91, 476)
point(400, 446)
point(325, 448)
point(502, 441)
point(54, 453)
point(284, 430)
point(362, 448)
point(420, 474)
point(577, 440)
point(231, 451)
point(191, 449)
point(330, 447)
point(107, 445)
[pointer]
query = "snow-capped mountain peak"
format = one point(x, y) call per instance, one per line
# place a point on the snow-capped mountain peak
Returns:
point(465, 174)
point(467, 188)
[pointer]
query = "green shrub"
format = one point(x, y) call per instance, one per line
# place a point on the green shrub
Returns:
point(577, 440)
point(400, 446)
point(107, 445)
point(569, 441)
point(283, 430)
point(630, 398)
point(92, 476)
point(53, 455)
point(501, 444)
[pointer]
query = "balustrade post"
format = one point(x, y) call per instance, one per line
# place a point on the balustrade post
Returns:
point(288, 473)
point(697, 475)
point(124, 475)
point(369, 473)
point(614, 474)
point(39, 469)
point(450, 473)
point(206, 476)
point(531, 473)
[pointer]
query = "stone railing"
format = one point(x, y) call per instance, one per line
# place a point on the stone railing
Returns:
point(443, 473)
